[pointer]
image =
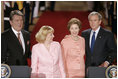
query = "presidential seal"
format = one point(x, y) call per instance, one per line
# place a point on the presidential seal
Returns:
point(111, 71)
point(5, 71)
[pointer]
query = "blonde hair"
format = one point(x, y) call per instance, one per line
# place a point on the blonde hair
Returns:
point(43, 32)
point(74, 21)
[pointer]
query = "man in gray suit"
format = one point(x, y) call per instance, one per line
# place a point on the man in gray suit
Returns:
point(100, 44)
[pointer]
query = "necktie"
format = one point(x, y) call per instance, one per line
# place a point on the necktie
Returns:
point(92, 42)
point(19, 38)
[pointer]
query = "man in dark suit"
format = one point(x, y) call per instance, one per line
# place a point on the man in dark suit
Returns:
point(100, 43)
point(15, 42)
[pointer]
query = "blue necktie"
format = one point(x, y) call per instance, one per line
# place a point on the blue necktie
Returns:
point(92, 42)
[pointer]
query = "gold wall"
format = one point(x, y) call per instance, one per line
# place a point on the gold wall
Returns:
point(2, 16)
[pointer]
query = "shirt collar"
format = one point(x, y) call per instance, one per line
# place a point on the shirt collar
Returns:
point(96, 30)
point(15, 31)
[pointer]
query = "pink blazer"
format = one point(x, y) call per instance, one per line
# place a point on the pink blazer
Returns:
point(46, 63)
point(73, 52)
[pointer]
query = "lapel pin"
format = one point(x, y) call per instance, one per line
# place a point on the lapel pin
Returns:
point(27, 42)
point(99, 36)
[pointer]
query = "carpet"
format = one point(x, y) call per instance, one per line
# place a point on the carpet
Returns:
point(59, 20)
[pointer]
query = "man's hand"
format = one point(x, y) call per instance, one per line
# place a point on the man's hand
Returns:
point(105, 64)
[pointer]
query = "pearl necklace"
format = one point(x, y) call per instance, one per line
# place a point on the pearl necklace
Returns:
point(75, 38)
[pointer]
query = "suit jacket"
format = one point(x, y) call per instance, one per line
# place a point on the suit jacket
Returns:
point(11, 49)
point(46, 63)
point(104, 48)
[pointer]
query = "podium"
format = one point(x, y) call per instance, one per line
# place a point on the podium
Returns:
point(96, 72)
point(20, 72)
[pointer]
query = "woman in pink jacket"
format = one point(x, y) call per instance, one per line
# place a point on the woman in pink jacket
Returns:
point(73, 47)
point(46, 60)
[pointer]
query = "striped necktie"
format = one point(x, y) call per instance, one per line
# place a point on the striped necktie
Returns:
point(19, 38)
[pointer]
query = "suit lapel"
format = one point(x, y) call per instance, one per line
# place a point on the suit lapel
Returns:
point(13, 36)
point(88, 40)
point(25, 39)
point(98, 39)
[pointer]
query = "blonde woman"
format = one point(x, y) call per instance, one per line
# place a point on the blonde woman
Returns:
point(73, 47)
point(46, 55)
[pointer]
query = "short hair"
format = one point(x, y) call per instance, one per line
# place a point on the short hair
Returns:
point(74, 21)
point(43, 32)
point(95, 13)
point(16, 12)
